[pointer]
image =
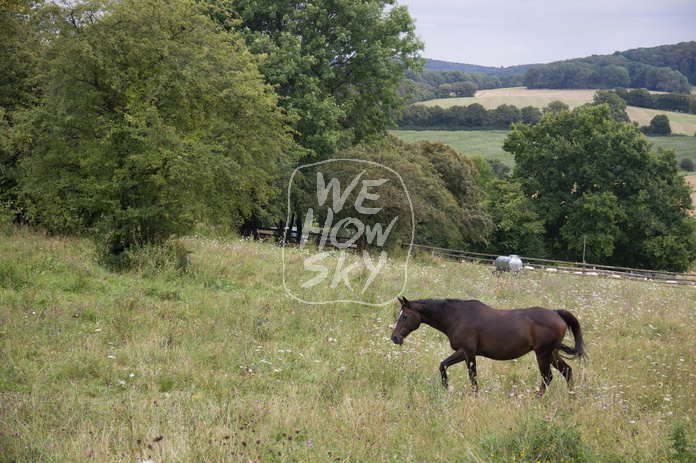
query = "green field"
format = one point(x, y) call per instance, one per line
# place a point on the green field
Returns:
point(489, 143)
point(218, 363)
point(519, 96)
point(485, 143)
point(685, 147)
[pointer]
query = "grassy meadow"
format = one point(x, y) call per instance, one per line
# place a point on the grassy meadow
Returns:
point(489, 143)
point(215, 362)
point(485, 143)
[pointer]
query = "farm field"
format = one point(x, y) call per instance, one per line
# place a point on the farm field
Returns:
point(518, 96)
point(679, 122)
point(218, 363)
point(489, 143)
point(485, 143)
point(521, 97)
point(685, 147)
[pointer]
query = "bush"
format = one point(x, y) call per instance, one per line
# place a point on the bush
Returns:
point(687, 164)
point(682, 448)
point(659, 125)
point(170, 257)
point(539, 439)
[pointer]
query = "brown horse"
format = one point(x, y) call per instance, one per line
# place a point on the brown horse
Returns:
point(473, 328)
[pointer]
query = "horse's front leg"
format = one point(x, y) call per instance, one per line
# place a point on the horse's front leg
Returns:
point(458, 356)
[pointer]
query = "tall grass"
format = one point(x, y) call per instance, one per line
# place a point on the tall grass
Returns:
point(218, 363)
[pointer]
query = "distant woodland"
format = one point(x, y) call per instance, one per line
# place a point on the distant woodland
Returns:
point(667, 68)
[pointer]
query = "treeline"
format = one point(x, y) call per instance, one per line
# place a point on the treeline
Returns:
point(679, 57)
point(585, 184)
point(470, 116)
point(133, 121)
point(642, 98)
point(438, 65)
point(476, 116)
point(670, 68)
point(428, 84)
point(667, 68)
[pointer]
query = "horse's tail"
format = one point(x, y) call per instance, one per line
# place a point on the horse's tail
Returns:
point(574, 325)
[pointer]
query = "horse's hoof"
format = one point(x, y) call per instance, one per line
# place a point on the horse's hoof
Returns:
point(450, 388)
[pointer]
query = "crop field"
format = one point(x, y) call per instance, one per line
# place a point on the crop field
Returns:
point(517, 96)
point(539, 98)
point(679, 122)
point(485, 143)
point(215, 362)
point(685, 147)
point(489, 143)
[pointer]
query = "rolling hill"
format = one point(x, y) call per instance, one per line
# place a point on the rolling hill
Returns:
point(519, 96)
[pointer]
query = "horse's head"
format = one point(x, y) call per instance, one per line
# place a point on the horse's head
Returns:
point(409, 320)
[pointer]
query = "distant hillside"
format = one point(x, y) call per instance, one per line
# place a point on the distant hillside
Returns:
point(680, 57)
point(667, 68)
point(437, 65)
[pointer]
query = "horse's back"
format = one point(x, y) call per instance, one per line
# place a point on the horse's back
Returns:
point(543, 316)
point(516, 328)
point(473, 314)
point(475, 308)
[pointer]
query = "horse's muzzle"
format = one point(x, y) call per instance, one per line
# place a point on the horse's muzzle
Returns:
point(398, 340)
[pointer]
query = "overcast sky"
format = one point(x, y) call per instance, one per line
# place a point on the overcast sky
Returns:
point(510, 32)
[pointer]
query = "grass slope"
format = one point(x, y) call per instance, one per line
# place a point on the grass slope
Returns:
point(679, 122)
point(485, 143)
point(219, 364)
point(519, 96)
point(489, 143)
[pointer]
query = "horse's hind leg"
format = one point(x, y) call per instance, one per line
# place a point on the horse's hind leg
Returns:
point(544, 361)
point(564, 368)
point(471, 365)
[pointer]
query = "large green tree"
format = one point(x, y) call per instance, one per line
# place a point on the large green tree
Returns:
point(335, 63)
point(659, 125)
point(616, 104)
point(517, 229)
point(442, 193)
point(20, 53)
point(151, 118)
point(596, 181)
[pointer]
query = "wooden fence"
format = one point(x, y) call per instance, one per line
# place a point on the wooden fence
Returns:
point(556, 266)
point(294, 237)
point(530, 263)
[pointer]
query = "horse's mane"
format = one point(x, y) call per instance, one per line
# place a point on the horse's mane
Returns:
point(438, 307)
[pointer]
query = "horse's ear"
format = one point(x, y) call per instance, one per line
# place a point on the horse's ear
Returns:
point(400, 300)
point(405, 302)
